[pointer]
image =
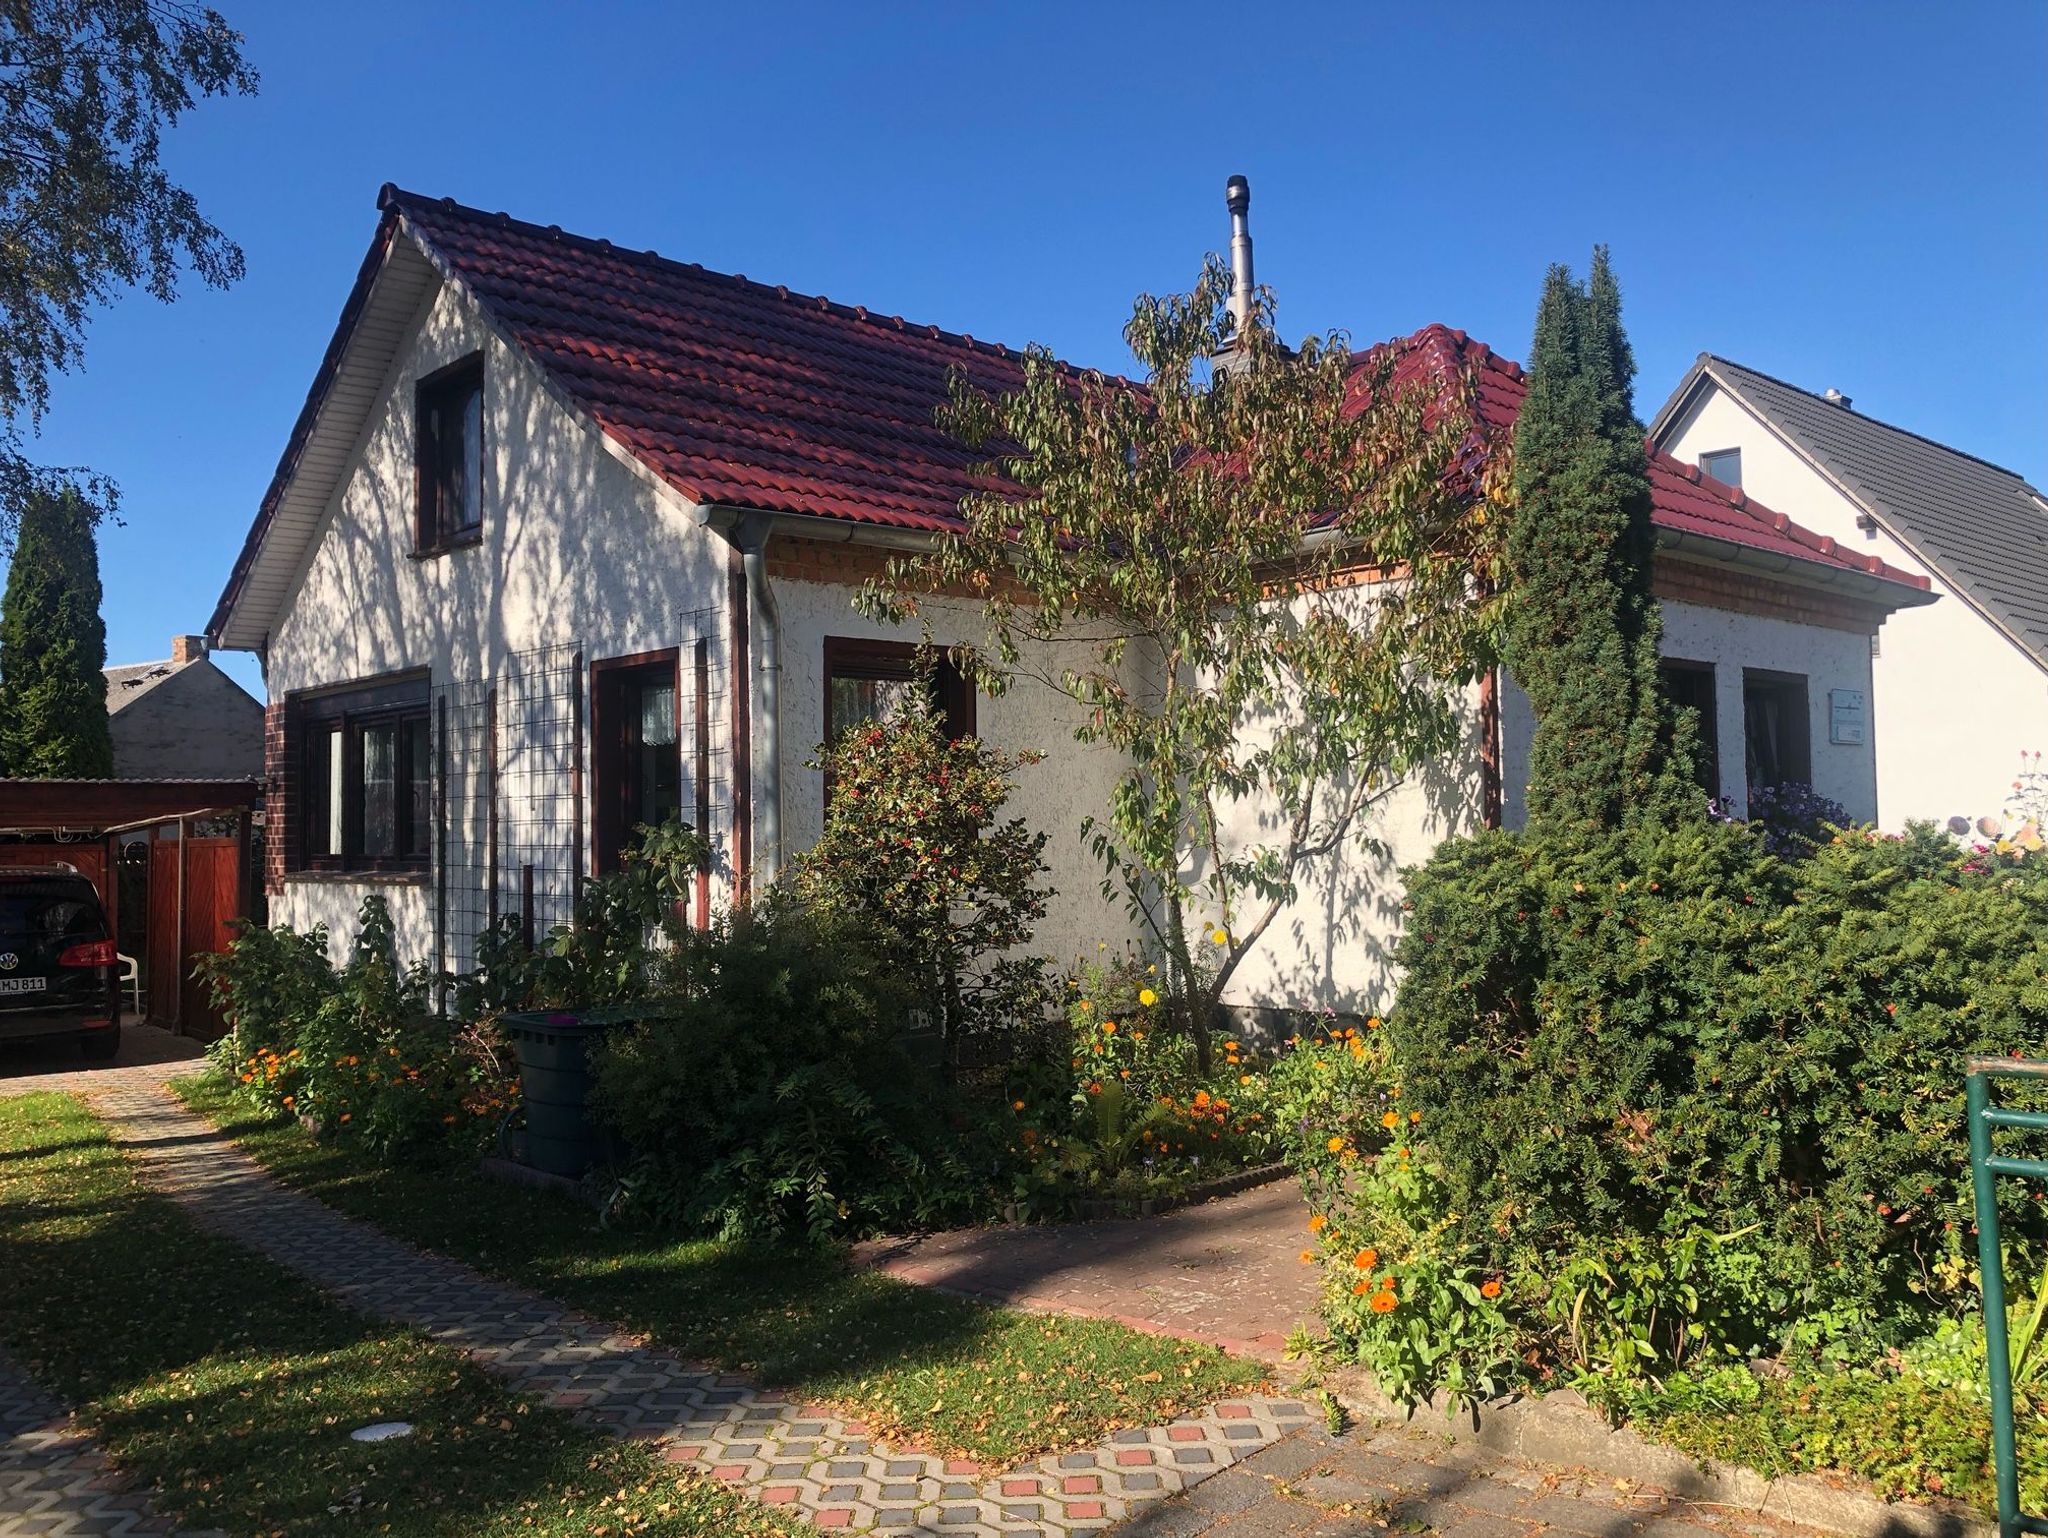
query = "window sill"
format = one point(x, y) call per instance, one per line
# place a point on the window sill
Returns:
point(433, 552)
point(355, 878)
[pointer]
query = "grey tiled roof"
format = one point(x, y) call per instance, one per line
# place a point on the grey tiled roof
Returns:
point(1982, 527)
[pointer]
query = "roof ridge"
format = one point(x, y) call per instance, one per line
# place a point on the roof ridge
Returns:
point(1864, 416)
point(391, 195)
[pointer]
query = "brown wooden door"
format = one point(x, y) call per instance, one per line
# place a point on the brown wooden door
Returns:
point(212, 900)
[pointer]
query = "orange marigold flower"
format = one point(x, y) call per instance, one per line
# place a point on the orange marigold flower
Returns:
point(1201, 1098)
point(1391, 1119)
point(1489, 1289)
point(1384, 1301)
point(1360, 1289)
point(1307, 1256)
point(1366, 1259)
point(1318, 1223)
point(1336, 1145)
point(1109, 1027)
point(1016, 1105)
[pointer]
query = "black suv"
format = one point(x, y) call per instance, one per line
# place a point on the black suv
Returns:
point(59, 975)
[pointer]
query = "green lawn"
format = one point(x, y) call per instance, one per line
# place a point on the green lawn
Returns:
point(916, 1365)
point(232, 1386)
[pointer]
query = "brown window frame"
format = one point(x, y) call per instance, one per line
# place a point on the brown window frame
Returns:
point(612, 809)
point(896, 662)
point(313, 724)
point(1708, 769)
point(435, 531)
point(1795, 703)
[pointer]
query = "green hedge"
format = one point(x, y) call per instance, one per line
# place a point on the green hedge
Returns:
point(1664, 1032)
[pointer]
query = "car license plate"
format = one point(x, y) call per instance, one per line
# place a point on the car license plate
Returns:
point(23, 984)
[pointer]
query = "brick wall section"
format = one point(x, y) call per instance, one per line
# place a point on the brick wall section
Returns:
point(280, 775)
point(850, 565)
point(1745, 593)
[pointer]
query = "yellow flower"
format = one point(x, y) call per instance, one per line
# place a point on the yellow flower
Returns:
point(1391, 1119)
point(1336, 1145)
point(1220, 937)
point(1147, 997)
point(1414, 1116)
point(1244, 1078)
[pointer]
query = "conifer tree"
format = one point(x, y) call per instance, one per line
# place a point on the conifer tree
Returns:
point(1582, 624)
point(53, 646)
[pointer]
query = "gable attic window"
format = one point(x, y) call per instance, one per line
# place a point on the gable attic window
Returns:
point(365, 777)
point(449, 433)
point(1724, 465)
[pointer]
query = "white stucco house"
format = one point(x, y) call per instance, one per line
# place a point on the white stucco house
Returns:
point(1960, 687)
point(566, 538)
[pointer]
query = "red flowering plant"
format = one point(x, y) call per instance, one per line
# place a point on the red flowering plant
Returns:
point(916, 853)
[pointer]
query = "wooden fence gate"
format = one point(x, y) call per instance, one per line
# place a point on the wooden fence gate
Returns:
point(212, 892)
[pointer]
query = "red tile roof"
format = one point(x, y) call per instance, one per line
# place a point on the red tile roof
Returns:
point(750, 395)
point(1683, 498)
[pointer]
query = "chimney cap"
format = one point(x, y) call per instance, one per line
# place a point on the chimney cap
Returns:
point(1835, 397)
point(1237, 195)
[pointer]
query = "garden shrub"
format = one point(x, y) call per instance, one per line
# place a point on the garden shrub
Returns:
point(915, 852)
point(779, 1093)
point(1664, 1050)
point(355, 1051)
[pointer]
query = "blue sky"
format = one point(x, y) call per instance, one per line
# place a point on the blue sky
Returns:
point(1842, 195)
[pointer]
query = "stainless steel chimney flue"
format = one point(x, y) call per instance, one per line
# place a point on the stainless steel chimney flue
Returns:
point(1238, 196)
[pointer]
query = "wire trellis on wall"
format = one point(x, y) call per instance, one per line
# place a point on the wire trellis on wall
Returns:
point(511, 798)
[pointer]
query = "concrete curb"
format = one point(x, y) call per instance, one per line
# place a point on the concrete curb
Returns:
point(1562, 1429)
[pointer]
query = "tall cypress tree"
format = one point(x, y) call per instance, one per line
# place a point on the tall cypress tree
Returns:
point(1583, 628)
point(53, 647)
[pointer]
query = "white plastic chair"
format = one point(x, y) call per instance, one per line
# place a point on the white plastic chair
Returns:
point(131, 976)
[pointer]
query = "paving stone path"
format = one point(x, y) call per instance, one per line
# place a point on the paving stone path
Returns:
point(812, 1461)
point(149, 1056)
point(54, 1480)
point(1254, 1467)
point(1227, 1272)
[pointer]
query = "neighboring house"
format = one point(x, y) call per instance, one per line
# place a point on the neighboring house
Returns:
point(183, 719)
point(1961, 688)
point(567, 536)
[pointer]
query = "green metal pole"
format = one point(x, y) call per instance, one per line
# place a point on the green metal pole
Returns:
point(1991, 1267)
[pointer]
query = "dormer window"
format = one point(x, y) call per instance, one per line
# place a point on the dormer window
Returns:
point(1724, 465)
point(450, 422)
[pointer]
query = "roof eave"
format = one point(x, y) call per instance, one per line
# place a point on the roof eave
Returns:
point(230, 627)
point(1865, 587)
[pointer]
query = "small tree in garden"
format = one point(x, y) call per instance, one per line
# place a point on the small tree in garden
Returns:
point(1189, 551)
point(53, 646)
point(915, 853)
point(1582, 625)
